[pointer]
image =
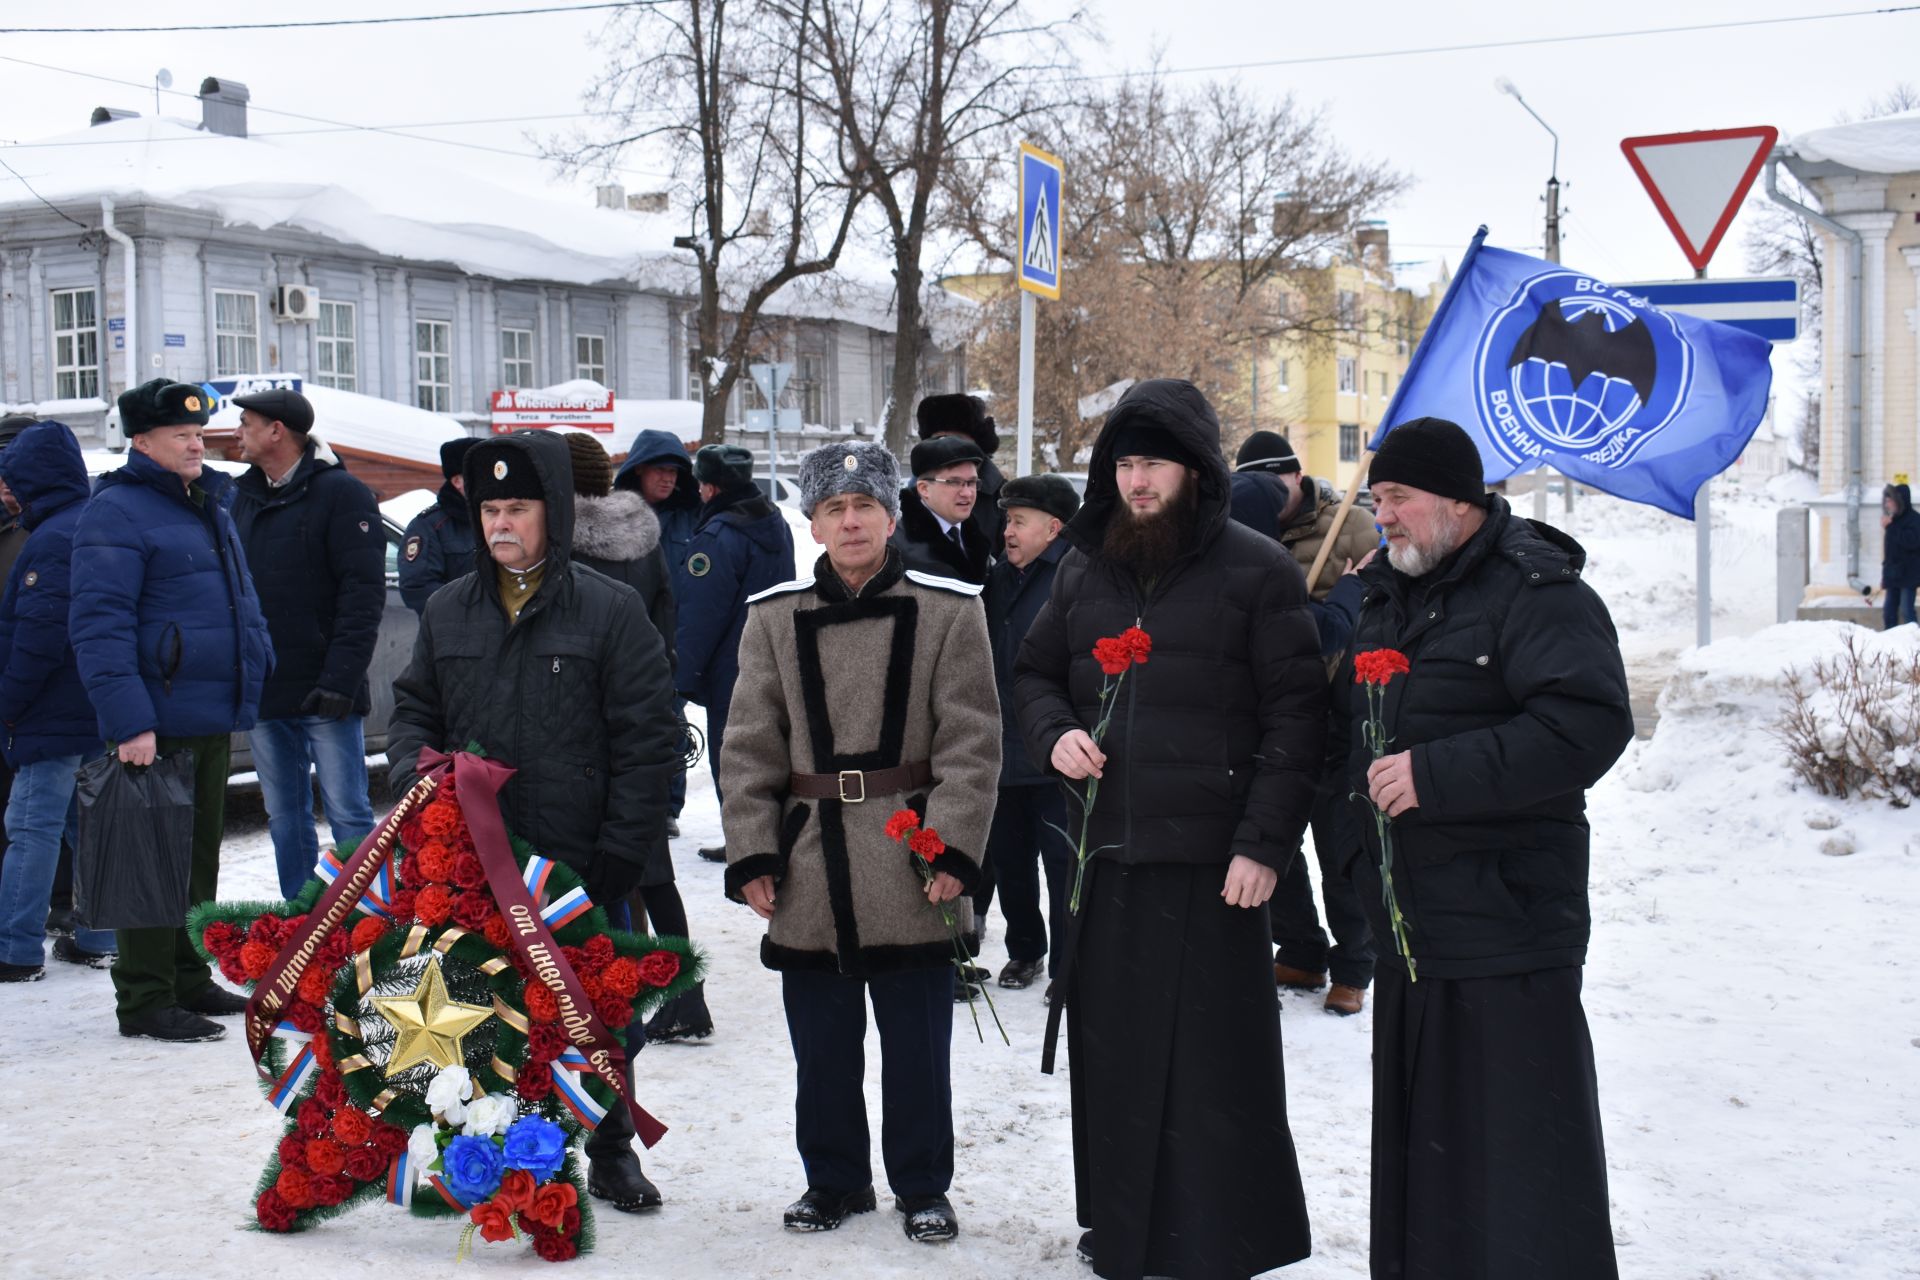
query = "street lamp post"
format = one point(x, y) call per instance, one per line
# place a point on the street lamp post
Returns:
point(1505, 85)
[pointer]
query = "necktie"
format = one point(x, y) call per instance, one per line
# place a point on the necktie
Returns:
point(958, 541)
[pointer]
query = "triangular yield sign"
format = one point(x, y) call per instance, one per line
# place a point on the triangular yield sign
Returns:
point(1040, 239)
point(1697, 180)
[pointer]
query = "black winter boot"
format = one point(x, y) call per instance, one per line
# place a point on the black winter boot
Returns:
point(685, 1017)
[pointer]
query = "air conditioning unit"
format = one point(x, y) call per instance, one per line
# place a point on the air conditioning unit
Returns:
point(295, 302)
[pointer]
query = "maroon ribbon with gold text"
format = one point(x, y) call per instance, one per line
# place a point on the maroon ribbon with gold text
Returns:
point(477, 784)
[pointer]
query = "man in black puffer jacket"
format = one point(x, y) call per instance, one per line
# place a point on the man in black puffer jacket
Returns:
point(553, 668)
point(1487, 1155)
point(1182, 1156)
point(318, 554)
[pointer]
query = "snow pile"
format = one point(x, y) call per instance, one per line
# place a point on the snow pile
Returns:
point(367, 423)
point(1888, 144)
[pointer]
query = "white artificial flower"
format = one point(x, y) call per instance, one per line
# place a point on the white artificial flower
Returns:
point(490, 1114)
point(447, 1095)
point(422, 1149)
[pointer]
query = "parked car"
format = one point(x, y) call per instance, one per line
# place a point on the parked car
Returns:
point(779, 489)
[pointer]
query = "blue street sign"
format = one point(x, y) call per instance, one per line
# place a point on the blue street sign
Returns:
point(1040, 182)
point(176, 339)
point(1767, 307)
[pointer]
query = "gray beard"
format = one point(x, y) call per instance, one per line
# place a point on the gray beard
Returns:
point(1418, 561)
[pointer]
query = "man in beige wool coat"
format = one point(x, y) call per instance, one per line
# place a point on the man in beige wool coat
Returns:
point(865, 689)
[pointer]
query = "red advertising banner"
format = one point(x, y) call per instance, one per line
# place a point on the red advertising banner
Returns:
point(513, 410)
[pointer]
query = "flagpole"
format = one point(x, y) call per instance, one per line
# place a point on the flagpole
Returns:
point(1339, 518)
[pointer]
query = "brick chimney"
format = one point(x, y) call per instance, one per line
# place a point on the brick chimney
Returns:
point(223, 107)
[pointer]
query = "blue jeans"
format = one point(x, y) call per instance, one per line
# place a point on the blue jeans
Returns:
point(41, 811)
point(1897, 608)
point(285, 754)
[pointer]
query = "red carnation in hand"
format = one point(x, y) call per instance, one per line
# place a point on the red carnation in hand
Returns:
point(274, 1212)
point(1113, 655)
point(927, 843)
point(1379, 666)
point(901, 824)
point(659, 968)
point(1139, 643)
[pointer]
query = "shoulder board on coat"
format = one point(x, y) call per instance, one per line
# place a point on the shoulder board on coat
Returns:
point(782, 589)
point(954, 585)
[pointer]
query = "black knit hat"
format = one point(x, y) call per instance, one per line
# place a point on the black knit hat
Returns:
point(1144, 440)
point(940, 414)
point(724, 466)
point(942, 451)
point(1052, 494)
point(453, 454)
point(1434, 455)
point(12, 425)
point(163, 403)
point(1267, 451)
point(279, 404)
point(592, 468)
point(498, 472)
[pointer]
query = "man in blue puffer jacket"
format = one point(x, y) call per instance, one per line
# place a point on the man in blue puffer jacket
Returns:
point(49, 722)
point(173, 652)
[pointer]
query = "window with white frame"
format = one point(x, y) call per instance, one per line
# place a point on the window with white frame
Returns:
point(516, 358)
point(1348, 375)
point(335, 362)
point(236, 333)
point(433, 365)
point(1349, 442)
point(590, 357)
point(76, 344)
point(1347, 308)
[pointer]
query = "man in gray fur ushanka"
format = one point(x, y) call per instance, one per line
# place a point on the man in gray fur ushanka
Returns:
point(863, 690)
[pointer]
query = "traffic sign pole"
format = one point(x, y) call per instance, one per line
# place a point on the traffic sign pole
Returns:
point(1037, 271)
point(1023, 461)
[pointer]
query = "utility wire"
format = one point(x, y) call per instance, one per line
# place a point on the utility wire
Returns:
point(1516, 43)
point(43, 200)
point(323, 22)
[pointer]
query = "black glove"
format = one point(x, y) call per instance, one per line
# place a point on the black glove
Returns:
point(327, 704)
point(611, 878)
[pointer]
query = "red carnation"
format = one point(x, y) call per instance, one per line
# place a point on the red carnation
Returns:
point(293, 1152)
point(659, 968)
point(442, 817)
point(497, 933)
point(576, 960)
point(1138, 643)
point(366, 1164)
point(326, 1157)
point(330, 1093)
point(352, 1126)
point(541, 1006)
point(435, 862)
point(305, 1017)
point(471, 909)
point(570, 1221)
point(274, 1212)
point(231, 969)
point(323, 1053)
point(410, 872)
point(927, 843)
point(368, 932)
point(316, 984)
point(1379, 666)
point(555, 1248)
point(295, 1187)
point(901, 824)
point(255, 958)
point(535, 1081)
point(544, 1042)
point(266, 928)
point(311, 1118)
point(403, 904)
point(333, 952)
point(599, 949)
point(467, 871)
point(218, 937)
point(1113, 654)
point(389, 1140)
point(433, 905)
point(622, 977)
point(615, 1013)
point(331, 1190)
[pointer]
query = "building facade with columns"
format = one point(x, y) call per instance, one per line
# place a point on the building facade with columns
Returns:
point(1866, 176)
point(142, 247)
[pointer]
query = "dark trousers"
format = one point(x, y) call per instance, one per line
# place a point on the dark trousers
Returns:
point(827, 1020)
point(1897, 608)
point(159, 967)
point(1018, 845)
point(716, 733)
point(677, 788)
point(1298, 939)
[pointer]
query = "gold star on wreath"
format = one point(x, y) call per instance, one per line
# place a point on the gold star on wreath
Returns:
point(428, 1024)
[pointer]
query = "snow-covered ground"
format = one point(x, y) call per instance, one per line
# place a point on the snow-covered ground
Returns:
point(1753, 1012)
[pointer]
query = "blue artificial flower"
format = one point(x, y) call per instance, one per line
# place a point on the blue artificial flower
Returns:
point(537, 1145)
point(473, 1167)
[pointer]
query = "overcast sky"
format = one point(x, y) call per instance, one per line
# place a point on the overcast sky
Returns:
point(1475, 155)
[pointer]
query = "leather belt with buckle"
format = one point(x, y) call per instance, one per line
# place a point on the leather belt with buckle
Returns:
point(854, 786)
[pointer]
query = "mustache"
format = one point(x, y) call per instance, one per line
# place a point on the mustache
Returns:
point(506, 539)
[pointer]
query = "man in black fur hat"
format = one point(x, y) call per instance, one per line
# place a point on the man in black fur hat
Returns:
point(937, 533)
point(966, 417)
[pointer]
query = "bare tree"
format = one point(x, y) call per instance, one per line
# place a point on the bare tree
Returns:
point(721, 85)
point(906, 87)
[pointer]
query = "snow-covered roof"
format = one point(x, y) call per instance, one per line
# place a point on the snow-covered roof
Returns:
point(367, 423)
point(410, 211)
point(1889, 144)
point(631, 417)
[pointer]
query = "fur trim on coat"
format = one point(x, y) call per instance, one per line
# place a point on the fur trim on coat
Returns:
point(620, 526)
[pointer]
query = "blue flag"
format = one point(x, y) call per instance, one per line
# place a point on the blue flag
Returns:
point(1546, 366)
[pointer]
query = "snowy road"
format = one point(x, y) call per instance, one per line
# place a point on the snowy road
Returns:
point(1755, 1021)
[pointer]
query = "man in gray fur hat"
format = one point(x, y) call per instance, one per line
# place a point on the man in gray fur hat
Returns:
point(863, 690)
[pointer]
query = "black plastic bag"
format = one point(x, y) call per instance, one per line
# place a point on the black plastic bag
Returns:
point(131, 868)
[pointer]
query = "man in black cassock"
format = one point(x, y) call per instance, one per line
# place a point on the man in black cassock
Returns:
point(1183, 1161)
point(1487, 1155)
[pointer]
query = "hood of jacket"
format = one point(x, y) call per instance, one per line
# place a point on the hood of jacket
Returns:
point(652, 448)
point(45, 472)
point(1177, 407)
point(454, 503)
point(748, 510)
point(1902, 496)
point(552, 461)
point(620, 526)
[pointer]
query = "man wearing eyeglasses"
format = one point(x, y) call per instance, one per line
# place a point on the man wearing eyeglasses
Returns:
point(936, 533)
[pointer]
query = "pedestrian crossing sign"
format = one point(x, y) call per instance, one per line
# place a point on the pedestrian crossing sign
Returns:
point(1040, 183)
